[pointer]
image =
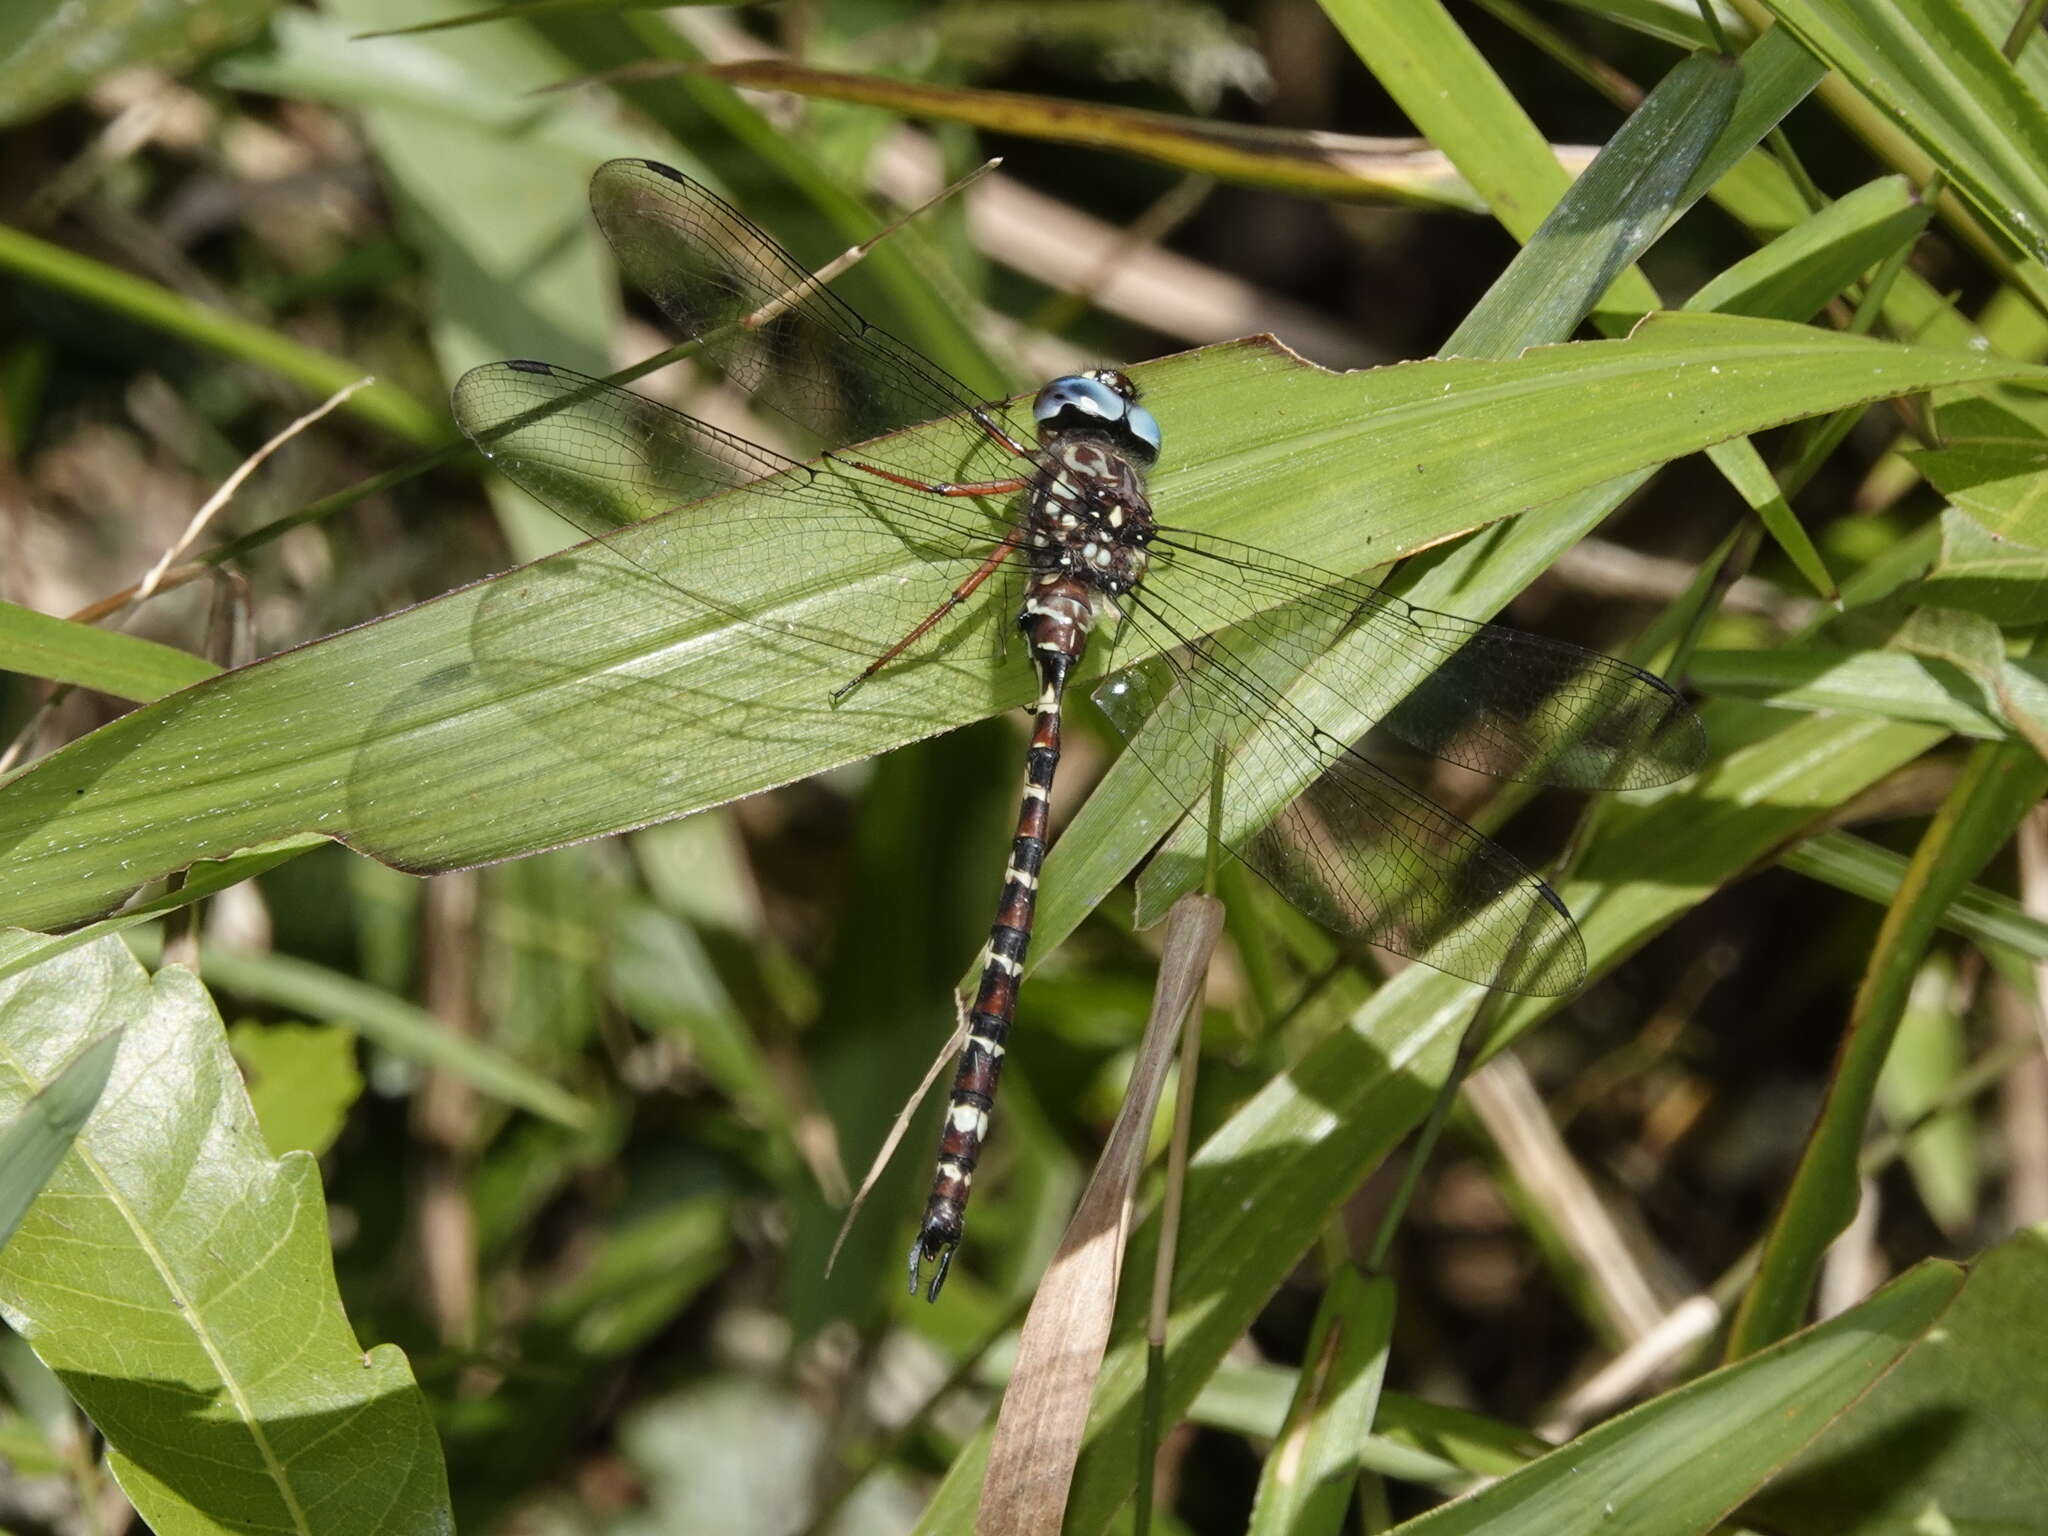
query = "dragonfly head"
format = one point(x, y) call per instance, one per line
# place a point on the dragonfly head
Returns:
point(1101, 400)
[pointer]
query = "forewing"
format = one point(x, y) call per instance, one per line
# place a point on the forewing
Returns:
point(756, 316)
point(1350, 844)
point(605, 458)
point(1497, 700)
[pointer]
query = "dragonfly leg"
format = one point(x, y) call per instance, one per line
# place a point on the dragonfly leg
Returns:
point(943, 487)
point(1007, 487)
point(994, 430)
point(959, 595)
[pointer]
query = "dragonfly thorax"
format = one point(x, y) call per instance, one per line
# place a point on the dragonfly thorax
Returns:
point(1089, 517)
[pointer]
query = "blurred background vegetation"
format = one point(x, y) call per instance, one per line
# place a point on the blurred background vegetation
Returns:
point(614, 1298)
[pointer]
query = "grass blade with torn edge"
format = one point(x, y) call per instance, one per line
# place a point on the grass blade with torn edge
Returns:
point(1040, 1426)
point(580, 696)
point(34, 1142)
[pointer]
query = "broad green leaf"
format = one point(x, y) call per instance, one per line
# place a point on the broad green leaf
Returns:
point(34, 1142)
point(2002, 782)
point(302, 1080)
point(1681, 1462)
point(1288, 159)
point(42, 645)
point(588, 694)
point(177, 1278)
point(1934, 73)
point(1944, 1443)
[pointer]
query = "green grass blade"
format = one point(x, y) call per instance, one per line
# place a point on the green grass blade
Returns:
point(1263, 1185)
point(42, 645)
point(1934, 73)
point(1849, 863)
point(1456, 101)
point(1681, 1462)
point(383, 405)
point(1609, 217)
point(1305, 1485)
point(34, 1142)
point(2002, 783)
point(1982, 1377)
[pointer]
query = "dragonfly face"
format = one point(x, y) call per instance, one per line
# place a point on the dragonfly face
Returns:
point(1102, 400)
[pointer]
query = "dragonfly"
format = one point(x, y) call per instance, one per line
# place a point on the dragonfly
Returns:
point(1224, 658)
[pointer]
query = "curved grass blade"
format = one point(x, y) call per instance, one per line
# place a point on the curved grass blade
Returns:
point(1287, 159)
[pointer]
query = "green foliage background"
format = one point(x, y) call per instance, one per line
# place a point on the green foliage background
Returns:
point(563, 1142)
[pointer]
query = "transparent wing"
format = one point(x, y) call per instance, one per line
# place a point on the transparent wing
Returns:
point(1497, 700)
point(604, 458)
point(758, 316)
point(1350, 845)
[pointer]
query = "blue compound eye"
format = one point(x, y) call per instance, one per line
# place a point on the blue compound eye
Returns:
point(1143, 426)
point(1084, 396)
point(1080, 400)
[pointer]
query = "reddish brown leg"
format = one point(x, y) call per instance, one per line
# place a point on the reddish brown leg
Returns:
point(959, 595)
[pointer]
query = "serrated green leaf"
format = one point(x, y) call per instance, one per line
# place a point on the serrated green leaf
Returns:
point(177, 1279)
